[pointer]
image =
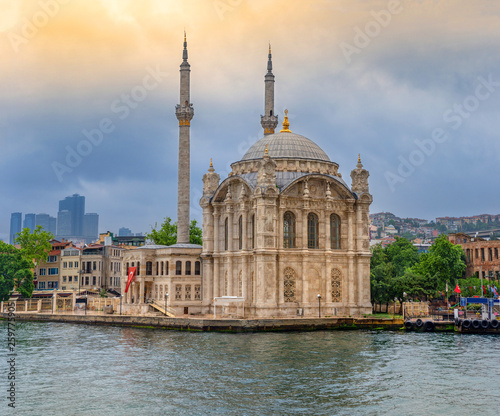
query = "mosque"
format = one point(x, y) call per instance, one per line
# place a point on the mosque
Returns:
point(283, 235)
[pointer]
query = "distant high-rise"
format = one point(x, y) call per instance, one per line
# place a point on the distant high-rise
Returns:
point(64, 223)
point(16, 219)
point(29, 221)
point(52, 225)
point(46, 221)
point(75, 204)
point(124, 232)
point(91, 226)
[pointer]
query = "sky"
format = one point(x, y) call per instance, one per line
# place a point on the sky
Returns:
point(89, 88)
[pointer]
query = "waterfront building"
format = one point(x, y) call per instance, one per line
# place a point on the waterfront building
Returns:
point(101, 268)
point(47, 273)
point(481, 256)
point(70, 268)
point(15, 226)
point(282, 234)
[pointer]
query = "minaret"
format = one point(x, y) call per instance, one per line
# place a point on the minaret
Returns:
point(184, 112)
point(269, 121)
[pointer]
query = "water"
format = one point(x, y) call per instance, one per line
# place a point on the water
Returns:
point(67, 369)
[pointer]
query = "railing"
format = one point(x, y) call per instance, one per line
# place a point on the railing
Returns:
point(161, 307)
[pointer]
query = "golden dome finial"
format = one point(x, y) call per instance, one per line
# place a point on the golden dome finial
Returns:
point(184, 35)
point(359, 157)
point(286, 124)
point(269, 46)
point(265, 152)
point(211, 164)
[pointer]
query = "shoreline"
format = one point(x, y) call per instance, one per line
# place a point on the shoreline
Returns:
point(218, 325)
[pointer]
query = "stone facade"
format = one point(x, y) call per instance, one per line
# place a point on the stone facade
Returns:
point(280, 238)
point(481, 256)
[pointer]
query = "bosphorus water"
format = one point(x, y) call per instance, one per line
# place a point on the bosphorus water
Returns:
point(70, 369)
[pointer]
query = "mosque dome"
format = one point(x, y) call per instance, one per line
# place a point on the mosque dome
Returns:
point(286, 145)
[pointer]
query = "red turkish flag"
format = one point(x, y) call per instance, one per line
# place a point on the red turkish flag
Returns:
point(131, 275)
point(457, 289)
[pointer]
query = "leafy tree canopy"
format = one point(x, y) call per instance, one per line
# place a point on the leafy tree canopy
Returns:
point(15, 272)
point(167, 233)
point(35, 246)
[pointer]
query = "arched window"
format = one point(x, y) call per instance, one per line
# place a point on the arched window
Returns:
point(157, 269)
point(312, 231)
point(178, 268)
point(138, 268)
point(162, 265)
point(336, 285)
point(240, 232)
point(188, 268)
point(289, 230)
point(289, 285)
point(334, 232)
point(149, 268)
point(197, 268)
point(253, 231)
point(166, 271)
point(226, 232)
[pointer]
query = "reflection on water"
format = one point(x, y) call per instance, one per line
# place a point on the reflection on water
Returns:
point(66, 369)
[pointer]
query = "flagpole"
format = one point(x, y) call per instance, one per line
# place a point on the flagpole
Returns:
point(482, 292)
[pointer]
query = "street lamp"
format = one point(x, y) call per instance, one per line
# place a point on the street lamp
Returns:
point(166, 298)
point(319, 305)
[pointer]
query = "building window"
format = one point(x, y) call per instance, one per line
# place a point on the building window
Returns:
point(42, 272)
point(197, 292)
point(289, 285)
point(65, 264)
point(334, 232)
point(149, 268)
point(178, 268)
point(70, 264)
point(188, 268)
point(336, 284)
point(289, 230)
point(197, 268)
point(166, 271)
point(52, 285)
point(76, 264)
point(94, 265)
point(138, 268)
point(41, 285)
point(157, 269)
point(76, 279)
point(51, 259)
point(162, 265)
point(64, 279)
point(70, 278)
point(86, 280)
point(312, 231)
point(226, 234)
point(178, 292)
point(53, 270)
point(240, 232)
point(94, 280)
point(187, 294)
point(253, 231)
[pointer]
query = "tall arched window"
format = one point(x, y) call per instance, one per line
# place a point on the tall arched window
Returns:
point(226, 232)
point(178, 268)
point(166, 269)
point(149, 268)
point(289, 230)
point(289, 285)
point(187, 272)
point(253, 231)
point(197, 268)
point(312, 231)
point(334, 232)
point(240, 232)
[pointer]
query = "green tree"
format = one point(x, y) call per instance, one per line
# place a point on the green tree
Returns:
point(15, 272)
point(167, 233)
point(445, 261)
point(35, 246)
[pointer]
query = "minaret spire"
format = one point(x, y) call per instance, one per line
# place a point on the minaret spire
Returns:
point(184, 112)
point(269, 121)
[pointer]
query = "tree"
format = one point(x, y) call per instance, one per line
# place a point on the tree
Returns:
point(35, 246)
point(167, 234)
point(195, 233)
point(445, 261)
point(15, 272)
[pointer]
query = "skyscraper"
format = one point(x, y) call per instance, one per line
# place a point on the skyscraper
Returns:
point(64, 223)
point(91, 226)
point(75, 204)
point(29, 221)
point(46, 221)
point(16, 219)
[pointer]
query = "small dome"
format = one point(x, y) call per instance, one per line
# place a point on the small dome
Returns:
point(286, 145)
